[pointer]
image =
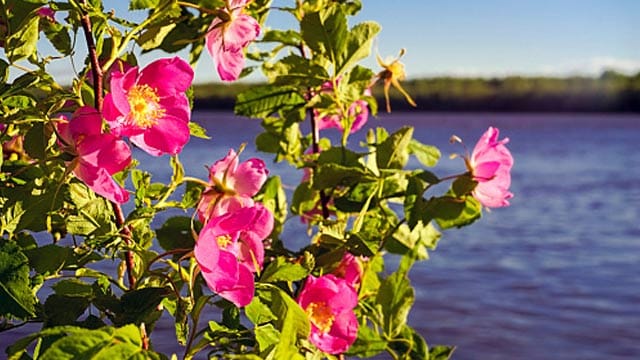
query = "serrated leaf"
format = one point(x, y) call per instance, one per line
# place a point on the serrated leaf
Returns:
point(357, 45)
point(287, 37)
point(452, 212)
point(198, 131)
point(332, 175)
point(262, 101)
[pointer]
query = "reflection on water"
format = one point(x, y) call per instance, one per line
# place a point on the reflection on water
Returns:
point(553, 276)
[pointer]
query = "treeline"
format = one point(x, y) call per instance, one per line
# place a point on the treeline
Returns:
point(610, 92)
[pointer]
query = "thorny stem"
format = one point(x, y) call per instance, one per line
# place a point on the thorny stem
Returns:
point(99, 97)
point(315, 140)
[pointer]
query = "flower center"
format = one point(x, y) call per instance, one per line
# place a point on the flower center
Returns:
point(144, 104)
point(224, 240)
point(320, 315)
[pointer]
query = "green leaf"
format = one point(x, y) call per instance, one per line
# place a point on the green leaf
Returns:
point(441, 352)
point(463, 185)
point(283, 270)
point(357, 46)
point(73, 288)
point(141, 306)
point(393, 152)
point(288, 37)
point(411, 345)
point(325, 32)
point(395, 296)
point(258, 312)
point(368, 343)
point(267, 337)
point(58, 35)
point(453, 212)
point(333, 175)
point(274, 198)
point(175, 233)
point(427, 155)
point(198, 131)
point(143, 4)
point(64, 310)
point(22, 43)
point(49, 259)
point(154, 35)
point(16, 298)
point(291, 321)
point(298, 71)
point(262, 101)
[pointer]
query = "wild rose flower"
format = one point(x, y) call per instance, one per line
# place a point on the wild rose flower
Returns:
point(150, 106)
point(233, 185)
point(230, 249)
point(392, 74)
point(329, 302)
point(228, 35)
point(97, 155)
point(350, 269)
point(358, 111)
point(490, 165)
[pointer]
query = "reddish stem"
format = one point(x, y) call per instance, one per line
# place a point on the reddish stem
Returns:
point(99, 97)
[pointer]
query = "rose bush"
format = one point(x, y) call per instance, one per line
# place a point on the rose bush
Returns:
point(74, 202)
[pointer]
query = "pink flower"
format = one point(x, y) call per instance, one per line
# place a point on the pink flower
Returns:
point(230, 249)
point(97, 155)
point(329, 302)
point(232, 185)
point(490, 165)
point(150, 106)
point(358, 111)
point(228, 36)
point(350, 269)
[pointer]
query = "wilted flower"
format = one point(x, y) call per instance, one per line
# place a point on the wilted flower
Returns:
point(490, 165)
point(392, 74)
point(228, 35)
point(230, 249)
point(150, 106)
point(329, 302)
point(96, 155)
point(232, 185)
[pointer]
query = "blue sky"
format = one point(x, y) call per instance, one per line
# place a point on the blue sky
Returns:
point(490, 37)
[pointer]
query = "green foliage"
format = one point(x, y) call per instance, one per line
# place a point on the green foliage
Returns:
point(55, 231)
point(16, 298)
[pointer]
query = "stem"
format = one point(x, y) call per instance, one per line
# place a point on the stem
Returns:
point(127, 236)
point(99, 97)
point(95, 65)
point(315, 143)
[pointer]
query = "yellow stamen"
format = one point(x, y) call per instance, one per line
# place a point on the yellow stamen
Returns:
point(224, 240)
point(320, 315)
point(144, 105)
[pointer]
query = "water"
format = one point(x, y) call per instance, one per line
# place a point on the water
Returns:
point(553, 276)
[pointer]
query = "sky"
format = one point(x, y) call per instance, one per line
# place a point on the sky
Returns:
point(488, 38)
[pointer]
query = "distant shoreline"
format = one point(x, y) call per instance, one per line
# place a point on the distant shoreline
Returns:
point(609, 93)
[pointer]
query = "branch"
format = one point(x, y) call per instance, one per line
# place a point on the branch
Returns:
point(99, 97)
point(315, 139)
